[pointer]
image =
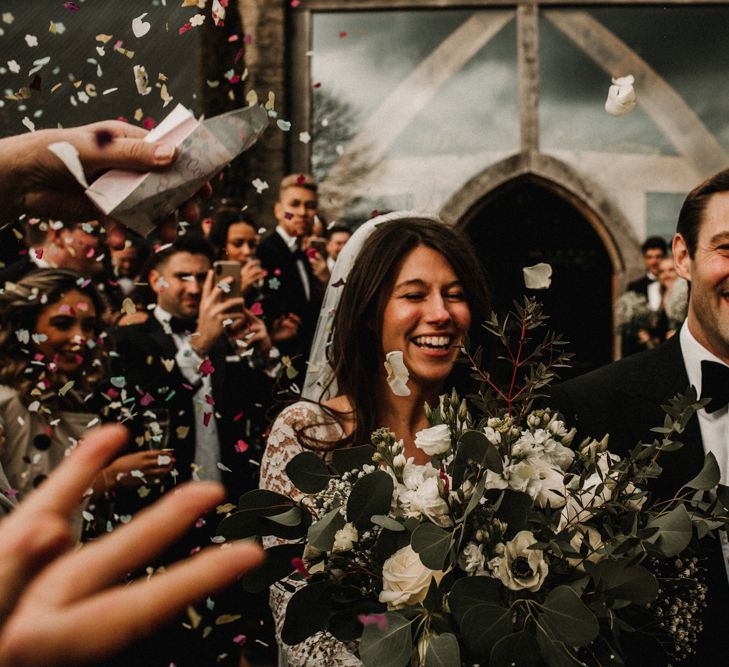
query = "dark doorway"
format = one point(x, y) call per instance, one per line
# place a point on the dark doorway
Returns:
point(525, 222)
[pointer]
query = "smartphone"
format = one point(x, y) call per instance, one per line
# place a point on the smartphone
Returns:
point(228, 269)
point(319, 244)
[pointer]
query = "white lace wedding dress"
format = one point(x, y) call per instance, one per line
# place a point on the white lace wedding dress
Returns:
point(283, 444)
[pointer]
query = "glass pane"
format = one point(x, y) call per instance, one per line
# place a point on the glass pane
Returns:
point(437, 84)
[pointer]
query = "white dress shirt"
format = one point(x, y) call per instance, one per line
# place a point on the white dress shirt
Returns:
point(207, 445)
point(715, 426)
point(654, 293)
point(293, 245)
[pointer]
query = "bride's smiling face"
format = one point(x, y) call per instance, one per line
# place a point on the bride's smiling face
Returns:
point(426, 316)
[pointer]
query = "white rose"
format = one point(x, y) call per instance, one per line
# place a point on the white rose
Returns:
point(557, 454)
point(405, 580)
point(542, 481)
point(472, 560)
point(434, 440)
point(621, 97)
point(522, 568)
point(425, 500)
point(345, 538)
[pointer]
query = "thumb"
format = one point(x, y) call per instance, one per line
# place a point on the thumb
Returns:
point(134, 153)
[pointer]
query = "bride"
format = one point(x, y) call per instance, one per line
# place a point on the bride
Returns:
point(403, 284)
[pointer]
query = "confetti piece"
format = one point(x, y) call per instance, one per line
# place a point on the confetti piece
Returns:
point(31, 40)
point(271, 102)
point(104, 38)
point(69, 156)
point(227, 618)
point(183, 29)
point(71, 7)
point(538, 276)
point(304, 137)
point(169, 364)
point(23, 335)
point(257, 309)
point(146, 399)
point(141, 80)
point(342, 34)
point(29, 124)
point(295, 3)
point(181, 432)
point(283, 125)
point(239, 639)
point(164, 460)
point(197, 20)
point(206, 367)
point(8, 18)
point(13, 66)
point(218, 12)
point(374, 619)
point(66, 388)
point(241, 446)
point(206, 418)
point(222, 466)
point(200, 4)
point(140, 27)
point(251, 97)
point(397, 373)
point(259, 185)
point(621, 97)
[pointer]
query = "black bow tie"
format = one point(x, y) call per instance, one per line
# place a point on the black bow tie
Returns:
point(714, 384)
point(178, 325)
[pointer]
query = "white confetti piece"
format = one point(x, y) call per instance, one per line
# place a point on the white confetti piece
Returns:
point(259, 185)
point(108, 91)
point(252, 98)
point(23, 335)
point(142, 80)
point(140, 27)
point(8, 18)
point(283, 125)
point(31, 40)
point(538, 276)
point(28, 123)
point(304, 137)
point(66, 387)
point(69, 156)
point(621, 97)
point(397, 373)
point(197, 20)
point(13, 66)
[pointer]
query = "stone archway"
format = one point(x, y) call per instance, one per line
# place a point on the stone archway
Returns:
point(589, 239)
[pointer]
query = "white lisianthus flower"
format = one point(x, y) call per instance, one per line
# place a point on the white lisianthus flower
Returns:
point(345, 538)
point(538, 276)
point(557, 454)
point(495, 481)
point(397, 373)
point(405, 580)
point(399, 461)
point(621, 97)
point(542, 481)
point(522, 568)
point(580, 503)
point(425, 500)
point(472, 560)
point(494, 437)
point(434, 440)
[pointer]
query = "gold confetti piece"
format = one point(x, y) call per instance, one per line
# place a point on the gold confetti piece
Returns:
point(213, 84)
point(66, 388)
point(169, 364)
point(271, 103)
point(56, 87)
point(53, 29)
point(182, 431)
point(162, 77)
point(206, 631)
point(103, 38)
point(200, 4)
point(252, 98)
point(128, 306)
point(227, 618)
point(224, 509)
point(8, 18)
point(194, 617)
point(231, 95)
point(138, 115)
point(141, 79)
point(22, 94)
point(165, 95)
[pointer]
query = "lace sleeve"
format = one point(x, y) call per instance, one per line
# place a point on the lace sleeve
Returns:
point(283, 444)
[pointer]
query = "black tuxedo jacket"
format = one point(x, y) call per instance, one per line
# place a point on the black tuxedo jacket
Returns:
point(289, 296)
point(624, 399)
point(146, 359)
point(640, 286)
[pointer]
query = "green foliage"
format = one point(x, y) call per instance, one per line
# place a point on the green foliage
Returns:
point(390, 647)
point(308, 472)
point(432, 544)
point(567, 619)
point(483, 625)
point(307, 612)
point(442, 651)
point(371, 495)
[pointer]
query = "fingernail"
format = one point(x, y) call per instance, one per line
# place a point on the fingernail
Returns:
point(164, 152)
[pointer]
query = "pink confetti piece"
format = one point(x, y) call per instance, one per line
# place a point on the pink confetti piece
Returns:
point(257, 309)
point(239, 639)
point(200, 523)
point(65, 309)
point(112, 393)
point(235, 79)
point(146, 399)
point(238, 417)
point(39, 253)
point(149, 123)
point(374, 619)
point(239, 55)
point(295, 3)
point(277, 272)
point(209, 399)
point(317, 84)
point(206, 367)
point(71, 7)
point(299, 565)
point(342, 34)
point(233, 38)
point(184, 29)
point(241, 446)
point(206, 417)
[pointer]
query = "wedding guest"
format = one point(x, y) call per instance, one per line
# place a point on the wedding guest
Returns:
point(624, 399)
point(53, 364)
point(654, 250)
point(674, 297)
point(337, 238)
point(127, 262)
point(234, 235)
point(292, 290)
point(415, 287)
point(34, 572)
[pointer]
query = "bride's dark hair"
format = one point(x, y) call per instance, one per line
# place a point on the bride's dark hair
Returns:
point(355, 353)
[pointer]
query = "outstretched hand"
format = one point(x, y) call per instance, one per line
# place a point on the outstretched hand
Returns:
point(43, 585)
point(34, 180)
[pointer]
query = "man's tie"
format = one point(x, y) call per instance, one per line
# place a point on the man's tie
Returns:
point(714, 384)
point(178, 325)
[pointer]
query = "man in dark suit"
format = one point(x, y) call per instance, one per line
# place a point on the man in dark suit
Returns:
point(293, 291)
point(193, 386)
point(624, 399)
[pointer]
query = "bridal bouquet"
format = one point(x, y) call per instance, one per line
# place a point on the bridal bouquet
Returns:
point(514, 545)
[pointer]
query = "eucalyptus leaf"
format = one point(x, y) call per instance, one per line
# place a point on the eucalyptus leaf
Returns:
point(442, 651)
point(387, 522)
point(390, 647)
point(554, 652)
point(478, 449)
point(483, 625)
point(675, 531)
point(307, 612)
point(291, 518)
point(567, 618)
point(514, 511)
point(275, 567)
point(370, 495)
point(470, 591)
point(322, 532)
point(709, 476)
point(352, 458)
point(308, 472)
point(264, 502)
point(432, 544)
point(517, 650)
point(623, 581)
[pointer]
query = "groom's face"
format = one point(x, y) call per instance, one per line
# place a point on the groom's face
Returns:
point(708, 273)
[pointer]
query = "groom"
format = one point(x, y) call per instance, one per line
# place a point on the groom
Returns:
point(624, 399)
